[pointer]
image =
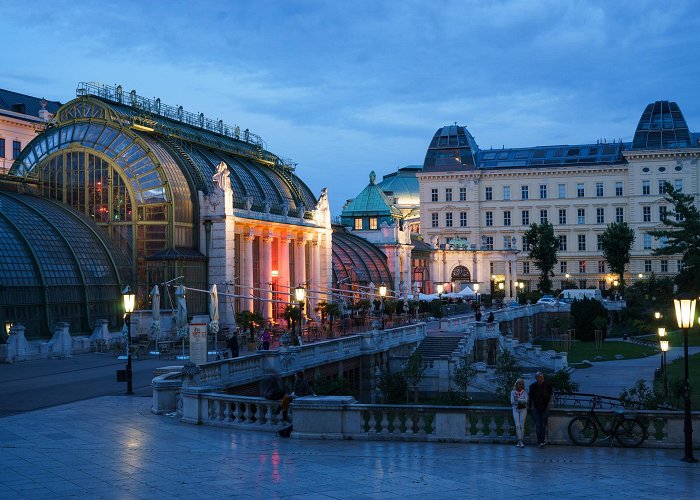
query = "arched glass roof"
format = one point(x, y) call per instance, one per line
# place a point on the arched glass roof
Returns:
point(357, 261)
point(55, 266)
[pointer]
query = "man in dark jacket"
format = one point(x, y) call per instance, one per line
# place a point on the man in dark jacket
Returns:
point(540, 404)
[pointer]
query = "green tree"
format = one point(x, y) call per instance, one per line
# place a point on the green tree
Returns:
point(508, 370)
point(682, 237)
point(413, 372)
point(463, 375)
point(328, 310)
point(616, 242)
point(543, 251)
point(585, 313)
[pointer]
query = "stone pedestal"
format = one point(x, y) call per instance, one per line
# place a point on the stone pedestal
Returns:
point(17, 345)
point(61, 344)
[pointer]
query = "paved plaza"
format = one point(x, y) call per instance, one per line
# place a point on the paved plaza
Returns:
point(113, 447)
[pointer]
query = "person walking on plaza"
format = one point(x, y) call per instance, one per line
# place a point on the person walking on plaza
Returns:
point(540, 403)
point(518, 400)
point(477, 314)
point(265, 338)
point(232, 345)
point(490, 319)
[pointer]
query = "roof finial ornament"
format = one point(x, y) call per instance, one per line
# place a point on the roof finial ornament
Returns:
point(372, 177)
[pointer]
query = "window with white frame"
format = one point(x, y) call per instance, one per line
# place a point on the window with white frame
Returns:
point(581, 215)
point(619, 214)
point(646, 187)
point(524, 192)
point(599, 191)
point(434, 194)
point(507, 243)
point(506, 218)
point(580, 190)
point(562, 242)
point(434, 220)
point(618, 188)
point(647, 266)
point(646, 214)
point(663, 212)
point(562, 216)
point(526, 267)
point(525, 217)
point(463, 219)
point(601, 266)
point(581, 242)
point(543, 191)
point(526, 244)
point(662, 186)
point(543, 216)
point(462, 194)
point(488, 193)
point(506, 193)
point(448, 219)
point(600, 215)
point(358, 224)
point(599, 242)
point(373, 223)
point(664, 266)
point(582, 266)
point(488, 240)
point(448, 194)
point(562, 190)
point(647, 241)
point(562, 267)
point(489, 218)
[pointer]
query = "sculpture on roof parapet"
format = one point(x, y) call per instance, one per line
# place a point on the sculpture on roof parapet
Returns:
point(372, 177)
point(221, 178)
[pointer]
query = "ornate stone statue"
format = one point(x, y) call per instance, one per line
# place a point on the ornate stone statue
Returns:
point(221, 178)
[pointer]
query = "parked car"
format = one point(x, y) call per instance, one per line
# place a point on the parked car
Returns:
point(547, 299)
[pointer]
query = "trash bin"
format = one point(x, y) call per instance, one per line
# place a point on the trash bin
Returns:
point(657, 374)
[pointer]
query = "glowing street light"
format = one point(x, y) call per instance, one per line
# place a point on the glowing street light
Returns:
point(382, 294)
point(685, 316)
point(129, 301)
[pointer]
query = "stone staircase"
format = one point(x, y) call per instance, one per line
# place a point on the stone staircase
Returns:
point(433, 347)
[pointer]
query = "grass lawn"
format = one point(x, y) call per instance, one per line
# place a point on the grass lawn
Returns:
point(676, 337)
point(586, 350)
point(675, 371)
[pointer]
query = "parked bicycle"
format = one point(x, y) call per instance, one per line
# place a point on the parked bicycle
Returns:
point(630, 432)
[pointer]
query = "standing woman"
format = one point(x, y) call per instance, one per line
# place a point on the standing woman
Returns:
point(518, 399)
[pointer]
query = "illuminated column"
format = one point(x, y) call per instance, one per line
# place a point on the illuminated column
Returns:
point(315, 287)
point(300, 261)
point(283, 265)
point(247, 289)
point(266, 277)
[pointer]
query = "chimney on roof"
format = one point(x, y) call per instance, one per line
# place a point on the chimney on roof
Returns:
point(43, 112)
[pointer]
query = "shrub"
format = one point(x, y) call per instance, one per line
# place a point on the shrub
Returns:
point(331, 387)
point(463, 374)
point(392, 388)
point(561, 382)
point(508, 370)
point(585, 312)
point(639, 396)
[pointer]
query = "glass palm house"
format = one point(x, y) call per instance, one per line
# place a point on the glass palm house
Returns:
point(108, 195)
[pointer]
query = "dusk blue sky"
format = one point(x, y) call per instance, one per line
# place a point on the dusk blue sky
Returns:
point(344, 88)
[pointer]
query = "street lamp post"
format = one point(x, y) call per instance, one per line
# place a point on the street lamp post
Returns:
point(129, 299)
point(300, 296)
point(440, 287)
point(476, 291)
point(382, 294)
point(685, 315)
point(663, 344)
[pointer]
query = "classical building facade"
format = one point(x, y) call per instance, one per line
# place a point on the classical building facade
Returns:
point(477, 204)
point(184, 199)
point(21, 118)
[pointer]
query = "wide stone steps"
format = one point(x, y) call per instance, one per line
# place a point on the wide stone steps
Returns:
point(432, 347)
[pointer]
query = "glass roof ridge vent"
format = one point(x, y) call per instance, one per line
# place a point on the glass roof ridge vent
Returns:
point(116, 95)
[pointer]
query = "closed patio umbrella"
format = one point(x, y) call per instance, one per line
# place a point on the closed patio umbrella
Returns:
point(181, 318)
point(214, 315)
point(155, 314)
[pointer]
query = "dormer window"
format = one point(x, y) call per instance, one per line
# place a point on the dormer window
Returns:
point(358, 223)
point(373, 223)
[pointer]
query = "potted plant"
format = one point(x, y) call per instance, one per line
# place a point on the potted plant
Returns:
point(248, 321)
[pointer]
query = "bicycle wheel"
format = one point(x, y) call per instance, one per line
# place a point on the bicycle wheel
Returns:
point(583, 431)
point(630, 432)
